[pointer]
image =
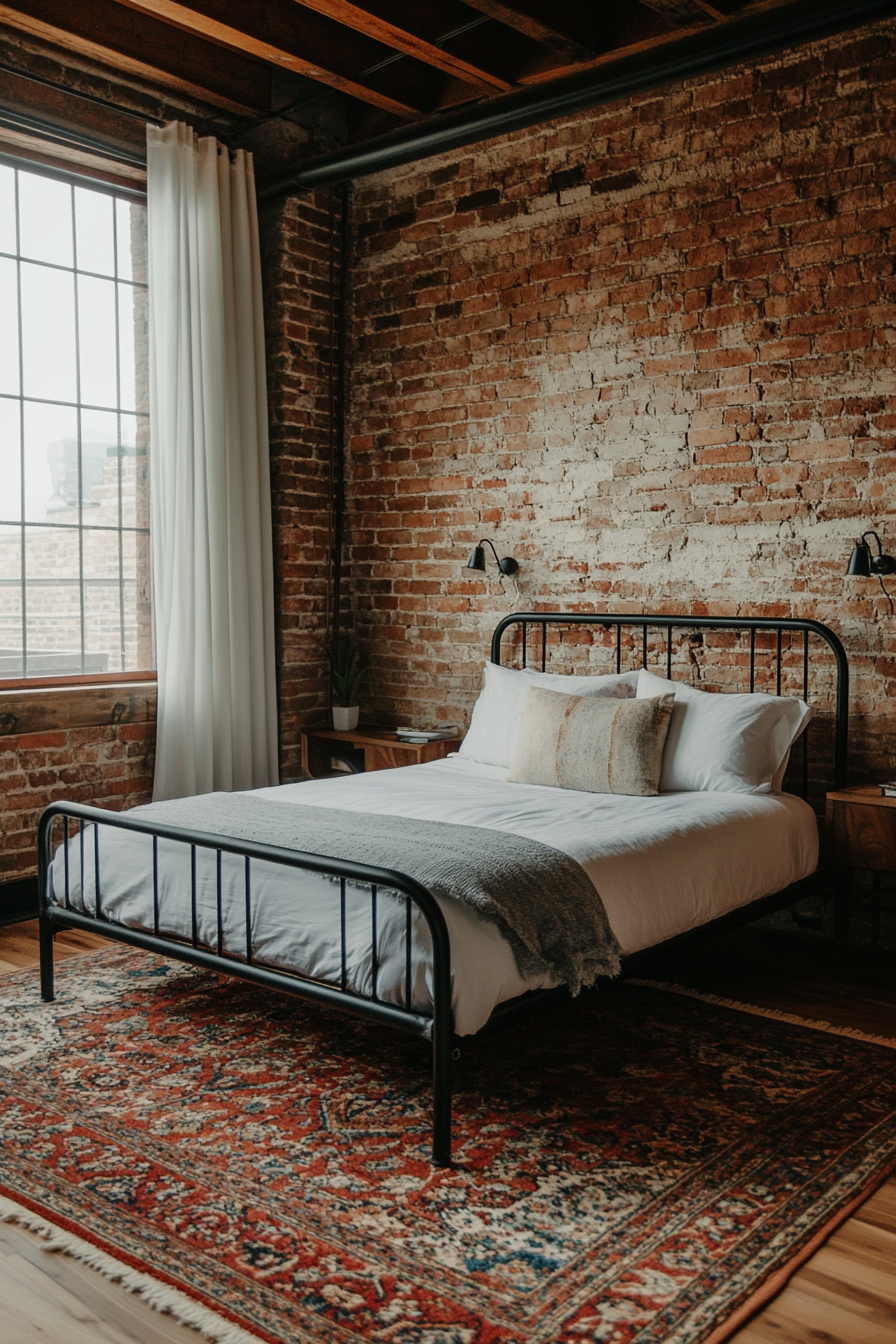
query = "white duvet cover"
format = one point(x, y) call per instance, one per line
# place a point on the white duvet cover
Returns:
point(662, 866)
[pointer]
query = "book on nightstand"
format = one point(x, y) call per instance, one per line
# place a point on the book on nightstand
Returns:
point(422, 735)
point(889, 789)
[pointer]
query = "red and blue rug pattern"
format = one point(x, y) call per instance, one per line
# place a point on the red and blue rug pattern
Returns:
point(629, 1167)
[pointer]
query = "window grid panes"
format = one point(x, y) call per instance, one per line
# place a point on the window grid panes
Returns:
point(74, 430)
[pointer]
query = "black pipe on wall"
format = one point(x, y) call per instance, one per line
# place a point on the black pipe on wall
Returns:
point(711, 49)
point(339, 412)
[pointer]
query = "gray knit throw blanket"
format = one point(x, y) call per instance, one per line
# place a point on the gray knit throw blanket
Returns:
point(542, 901)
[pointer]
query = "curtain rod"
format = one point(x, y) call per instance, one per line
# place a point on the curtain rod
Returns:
point(726, 44)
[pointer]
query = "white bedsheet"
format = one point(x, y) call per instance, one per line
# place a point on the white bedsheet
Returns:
point(662, 866)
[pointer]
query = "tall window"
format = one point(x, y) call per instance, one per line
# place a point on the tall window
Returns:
point(74, 509)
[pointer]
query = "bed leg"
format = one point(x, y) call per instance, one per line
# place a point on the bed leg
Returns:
point(441, 1098)
point(47, 985)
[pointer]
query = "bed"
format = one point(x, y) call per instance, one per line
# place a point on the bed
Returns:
point(375, 941)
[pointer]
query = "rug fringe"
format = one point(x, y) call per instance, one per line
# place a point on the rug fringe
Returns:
point(157, 1295)
point(775, 1013)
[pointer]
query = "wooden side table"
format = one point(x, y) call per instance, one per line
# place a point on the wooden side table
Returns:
point(379, 747)
point(860, 833)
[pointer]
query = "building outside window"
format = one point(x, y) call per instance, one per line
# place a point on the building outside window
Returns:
point(74, 430)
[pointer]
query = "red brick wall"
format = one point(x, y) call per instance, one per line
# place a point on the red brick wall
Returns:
point(650, 350)
point(300, 242)
point(105, 767)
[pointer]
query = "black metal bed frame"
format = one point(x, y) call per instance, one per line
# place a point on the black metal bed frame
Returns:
point(436, 1028)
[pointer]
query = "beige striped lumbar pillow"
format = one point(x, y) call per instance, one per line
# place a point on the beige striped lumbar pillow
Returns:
point(589, 743)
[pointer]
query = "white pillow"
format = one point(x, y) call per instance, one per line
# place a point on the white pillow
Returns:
point(497, 714)
point(725, 743)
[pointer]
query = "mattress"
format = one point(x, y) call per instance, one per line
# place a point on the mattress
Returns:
point(662, 866)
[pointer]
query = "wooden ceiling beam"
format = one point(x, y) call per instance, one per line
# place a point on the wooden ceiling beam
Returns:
point(608, 57)
point(371, 25)
point(107, 56)
point(539, 32)
point(192, 21)
point(685, 13)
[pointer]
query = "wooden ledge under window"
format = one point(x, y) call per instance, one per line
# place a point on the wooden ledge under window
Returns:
point(47, 704)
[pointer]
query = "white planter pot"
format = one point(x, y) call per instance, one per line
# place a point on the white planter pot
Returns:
point(345, 717)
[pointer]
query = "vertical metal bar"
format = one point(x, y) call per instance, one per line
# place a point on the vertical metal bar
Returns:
point(96, 872)
point(806, 698)
point(344, 975)
point(81, 849)
point(45, 927)
point(644, 646)
point(544, 645)
point(841, 720)
point(525, 641)
point(194, 921)
point(65, 856)
point(442, 1039)
point(669, 652)
point(752, 659)
point(374, 949)
point(155, 885)
point(618, 647)
point(407, 953)
point(780, 633)
point(219, 902)
point(248, 912)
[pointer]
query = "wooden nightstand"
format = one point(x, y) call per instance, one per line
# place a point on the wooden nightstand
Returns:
point(374, 748)
point(860, 833)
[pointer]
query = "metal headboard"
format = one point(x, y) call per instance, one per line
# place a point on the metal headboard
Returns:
point(754, 625)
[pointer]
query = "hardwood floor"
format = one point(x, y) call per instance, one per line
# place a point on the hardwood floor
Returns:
point(846, 1294)
point(47, 1297)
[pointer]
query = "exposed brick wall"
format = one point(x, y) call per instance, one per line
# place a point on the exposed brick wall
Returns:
point(105, 767)
point(650, 350)
point(300, 261)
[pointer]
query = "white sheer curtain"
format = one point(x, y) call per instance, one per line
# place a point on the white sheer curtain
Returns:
point(210, 509)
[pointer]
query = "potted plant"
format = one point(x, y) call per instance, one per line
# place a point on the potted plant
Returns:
point(348, 672)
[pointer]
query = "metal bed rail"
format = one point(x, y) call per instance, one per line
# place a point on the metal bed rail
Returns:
point(437, 1028)
point(777, 627)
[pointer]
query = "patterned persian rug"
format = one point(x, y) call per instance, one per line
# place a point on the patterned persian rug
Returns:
point(637, 1165)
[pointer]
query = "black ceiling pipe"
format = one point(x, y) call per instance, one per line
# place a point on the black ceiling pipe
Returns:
point(710, 49)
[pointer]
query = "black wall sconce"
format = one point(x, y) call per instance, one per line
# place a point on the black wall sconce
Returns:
point(477, 559)
point(863, 564)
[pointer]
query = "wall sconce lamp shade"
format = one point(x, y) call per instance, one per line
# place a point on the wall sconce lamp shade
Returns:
point(477, 559)
point(862, 564)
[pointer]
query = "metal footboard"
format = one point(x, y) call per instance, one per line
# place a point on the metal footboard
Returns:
point(438, 1028)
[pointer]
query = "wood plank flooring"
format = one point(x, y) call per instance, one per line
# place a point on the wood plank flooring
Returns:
point(846, 1294)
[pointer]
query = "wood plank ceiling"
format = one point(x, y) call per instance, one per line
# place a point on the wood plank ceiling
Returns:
point(389, 63)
